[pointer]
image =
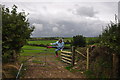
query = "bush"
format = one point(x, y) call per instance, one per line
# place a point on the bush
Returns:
point(67, 42)
point(101, 65)
point(111, 37)
point(16, 30)
point(79, 40)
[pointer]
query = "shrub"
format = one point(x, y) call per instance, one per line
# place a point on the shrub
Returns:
point(16, 30)
point(79, 40)
point(111, 37)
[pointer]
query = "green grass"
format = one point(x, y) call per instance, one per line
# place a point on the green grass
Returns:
point(32, 47)
point(68, 67)
point(68, 38)
point(32, 50)
point(91, 38)
point(45, 42)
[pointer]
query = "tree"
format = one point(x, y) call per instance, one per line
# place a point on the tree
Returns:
point(111, 38)
point(16, 30)
point(79, 40)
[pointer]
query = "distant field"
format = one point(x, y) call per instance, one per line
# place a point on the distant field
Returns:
point(87, 38)
point(45, 42)
point(93, 38)
point(90, 38)
point(68, 38)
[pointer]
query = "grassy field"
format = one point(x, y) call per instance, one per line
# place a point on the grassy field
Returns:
point(91, 38)
point(31, 50)
point(45, 42)
point(42, 42)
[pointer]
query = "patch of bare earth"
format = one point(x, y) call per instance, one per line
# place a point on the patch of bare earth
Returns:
point(50, 68)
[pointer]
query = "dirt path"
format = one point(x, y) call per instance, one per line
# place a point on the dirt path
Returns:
point(50, 68)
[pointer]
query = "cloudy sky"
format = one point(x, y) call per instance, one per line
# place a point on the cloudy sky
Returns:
point(66, 19)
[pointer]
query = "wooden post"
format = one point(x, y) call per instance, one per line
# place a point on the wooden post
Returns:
point(115, 66)
point(73, 55)
point(87, 64)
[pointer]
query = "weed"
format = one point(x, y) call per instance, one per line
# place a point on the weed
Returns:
point(69, 67)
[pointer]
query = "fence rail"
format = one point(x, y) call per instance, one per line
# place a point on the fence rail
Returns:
point(68, 57)
point(80, 53)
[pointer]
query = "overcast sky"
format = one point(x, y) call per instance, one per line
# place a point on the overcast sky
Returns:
point(66, 19)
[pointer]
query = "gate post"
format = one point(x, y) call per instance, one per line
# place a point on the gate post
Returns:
point(87, 62)
point(115, 66)
point(73, 55)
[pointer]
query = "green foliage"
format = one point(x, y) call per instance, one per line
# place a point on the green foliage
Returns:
point(111, 37)
point(79, 40)
point(16, 31)
point(69, 67)
point(92, 40)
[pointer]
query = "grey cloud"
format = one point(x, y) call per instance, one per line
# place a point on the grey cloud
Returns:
point(70, 28)
point(57, 20)
point(85, 11)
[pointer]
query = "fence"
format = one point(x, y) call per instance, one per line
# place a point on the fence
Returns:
point(69, 57)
